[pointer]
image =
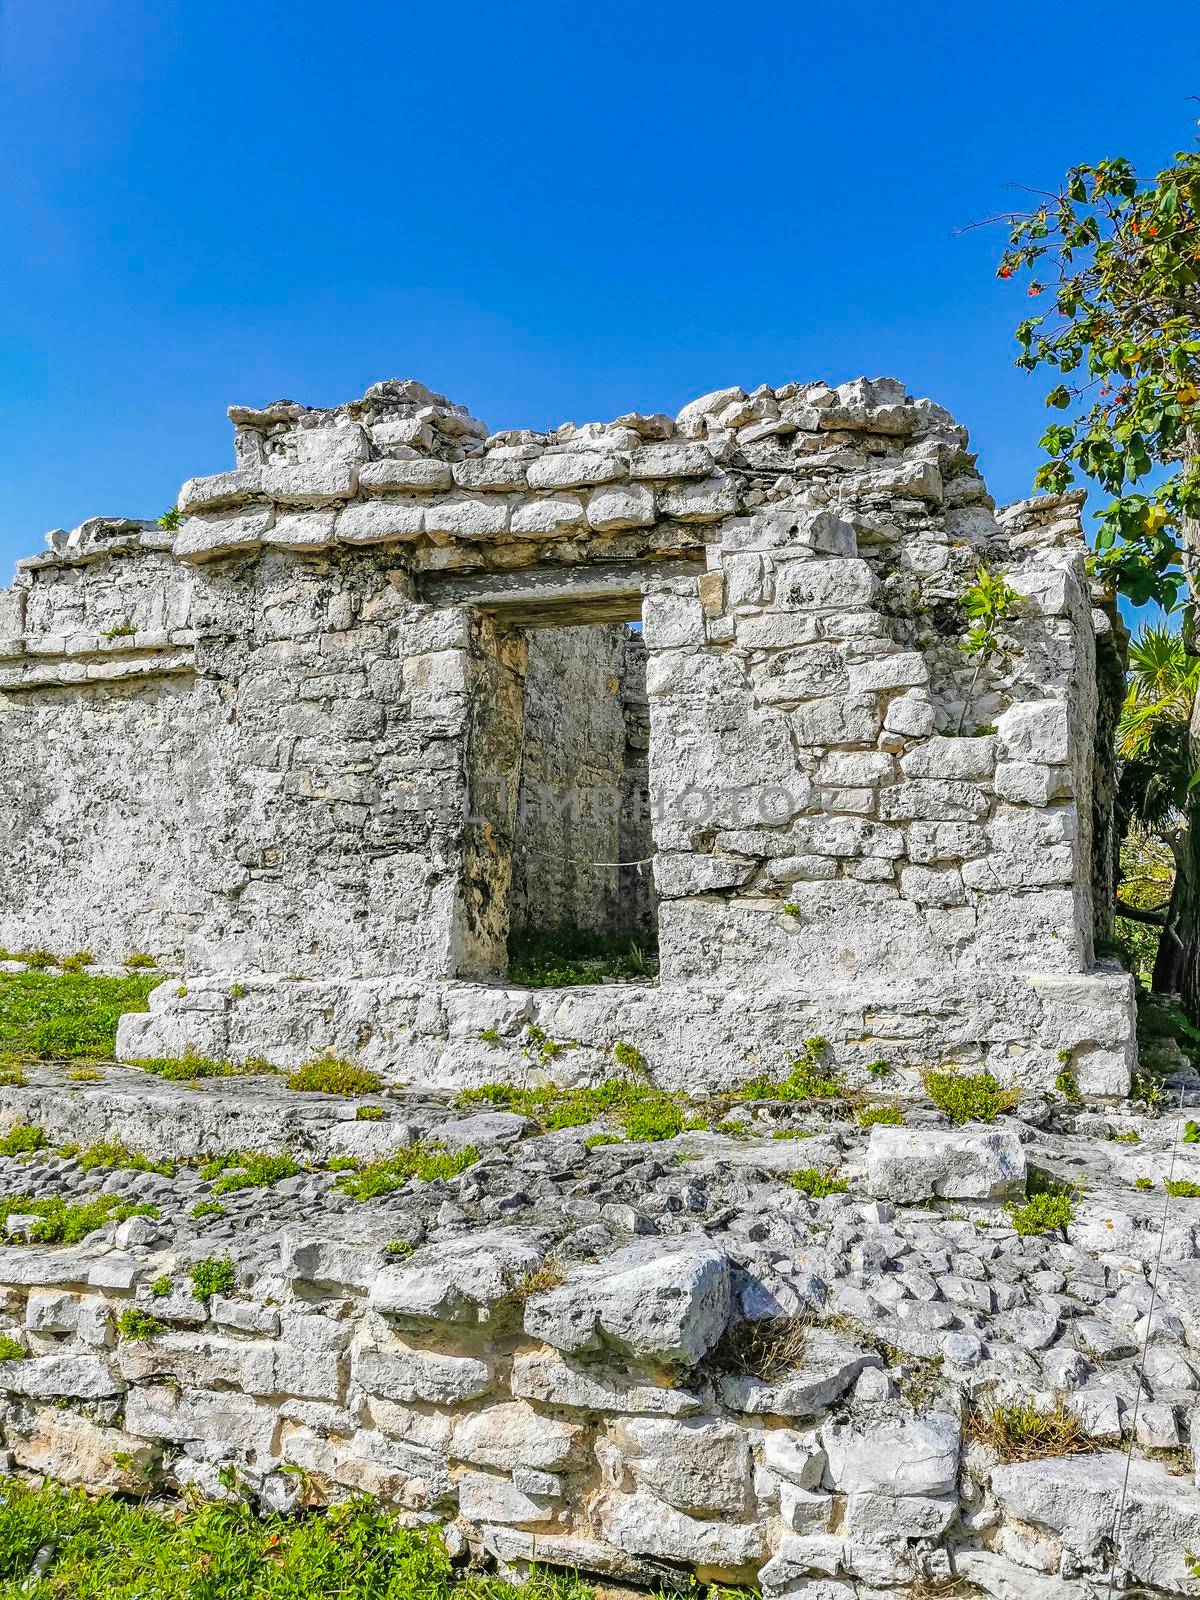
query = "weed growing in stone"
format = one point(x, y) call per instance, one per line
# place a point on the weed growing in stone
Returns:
point(207, 1208)
point(10, 1350)
point(645, 1113)
point(215, 1275)
point(804, 1079)
point(79, 961)
point(21, 1138)
point(331, 1075)
point(1143, 1183)
point(629, 1058)
point(12, 1075)
point(398, 1249)
point(768, 1348)
point(248, 1169)
point(61, 1221)
point(1028, 1433)
point(1182, 1189)
point(969, 1097)
point(1067, 1086)
point(137, 1326)
point(53, 1017)
point(160, 1287)
point(140, 959)
point(85, 1075)
point(1132, 1136)
point(1042, 1213)
point(425, 1162)
point(879, 1068)
point(566, 957)
point(816, 1184)
point(369, 1114)
point(189, 1066)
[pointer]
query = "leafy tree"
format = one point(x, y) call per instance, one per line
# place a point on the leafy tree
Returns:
point(1117, 257)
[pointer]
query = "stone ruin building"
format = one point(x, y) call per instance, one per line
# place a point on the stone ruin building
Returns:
point(377, 701)
point(395, 689)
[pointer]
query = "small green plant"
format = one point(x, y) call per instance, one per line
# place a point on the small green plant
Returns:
point(424, 1162)
point(21, 1138)
point(564, 957)
point(161, 1287)
point(1147, 1089)
point(1042, 1213)
point(1191, 1133)
point(630, 1058)
point(215, 1275)
point(123, 630)
point(79, 961)
point(37, 960)
point(237, 991)
point(804, 1079)
point(10, 1350)
point(398, 1249)
point(491, 1036)
point(817, 1185)
point(85, 1075)
point(1131, 1136)
point(12, 1075)
point(1028, 1433)
point(140, 959)
point(332, 1075)
point(189, 1067)
point(208, 1208)
point(889, 1116)
point(247, 1169)
point(170, 521)
point(989, 603)
point(60, 1221)
point(792, 1133)
point(595, 1140)
point(790, 909)
point(1067, 1086)
point(969, 1097)
point(880, 1067)
point(112, 1153)
point(369, 1114)
point(137, 1326)
point(1182, 1188)
point(1143, 1183)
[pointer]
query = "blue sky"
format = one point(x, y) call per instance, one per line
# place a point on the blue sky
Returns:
point(547, 213)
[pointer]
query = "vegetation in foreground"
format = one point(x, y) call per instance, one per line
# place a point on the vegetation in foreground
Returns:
point(1028, 1433)
point(108, 1549)
point(62, 1016)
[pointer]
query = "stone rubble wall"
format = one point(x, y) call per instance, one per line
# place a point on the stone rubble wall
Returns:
point(556, 1351)
point(836, 830)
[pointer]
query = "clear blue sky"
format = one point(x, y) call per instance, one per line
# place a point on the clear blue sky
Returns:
point(548, 213)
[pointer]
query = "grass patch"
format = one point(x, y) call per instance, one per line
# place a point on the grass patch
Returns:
point(425, 1162)
point(216, 1275)
point(566, 957)
point(21, 1138)
point(248, 1169)
point(137, 1326)
point(816, 1184)
point(60, 1017)
point(112, 1153)
point(646, 1114)
point(12, 1075)
point(1026, 1433)
point(889, 1116)
point(331, 1075)
point(190, 1066)
point(112, 1549)
point(969, 1097)
point(66, 1222)
point(1182, 1188)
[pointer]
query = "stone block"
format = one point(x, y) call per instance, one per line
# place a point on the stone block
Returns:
point(407, 477)
point(575, 470)
point(909, 1165)
point(626, 505)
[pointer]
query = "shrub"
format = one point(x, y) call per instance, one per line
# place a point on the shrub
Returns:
point(21, 1138)
point(215, 1275)
point(208, 1208)
point(1026, 1433)
point(10, 1350)
point(425, 1162)
point(369, 1114)
point(818, 1184)
point(331, 1075)
point(137, 1326)
point(246, 1169)
point(969, 1097)
point(1143, 1182)
point(891, 1116)
point(63, 1222)
point(1182, 1188)
point(803, 1080)
point(160, 1287)
point(140, 958)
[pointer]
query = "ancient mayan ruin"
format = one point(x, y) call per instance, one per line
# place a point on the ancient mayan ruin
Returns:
point(735, 1271)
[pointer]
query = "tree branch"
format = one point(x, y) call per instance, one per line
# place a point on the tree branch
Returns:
point(1156, 919)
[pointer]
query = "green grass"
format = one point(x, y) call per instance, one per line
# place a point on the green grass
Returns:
point(110, 1549)
point(207, 1208)
point(1027, 1433)
point(66, 1222)
point(1182, 1189)
point(64, 1016)
point(189, 1067)
point(112, 1153)
point(137, 1326)
point(646, 1114)
point(566, 957)
point(890, 1116)
point(216, 1275)
point(330, 1075)
point(816, 1185)
point(425, 1162)
point(969, 1097)
point(248, 1169)
point(21, 1138)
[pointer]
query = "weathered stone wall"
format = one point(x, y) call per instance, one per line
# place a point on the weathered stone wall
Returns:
point(851, 824)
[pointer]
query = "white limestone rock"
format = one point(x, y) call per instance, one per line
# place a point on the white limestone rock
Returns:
point(970, 1163)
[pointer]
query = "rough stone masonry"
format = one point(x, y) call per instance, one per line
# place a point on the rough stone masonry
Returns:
point(288, 745)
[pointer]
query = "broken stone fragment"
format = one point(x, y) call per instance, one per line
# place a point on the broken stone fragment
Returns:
point(913, 1164)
